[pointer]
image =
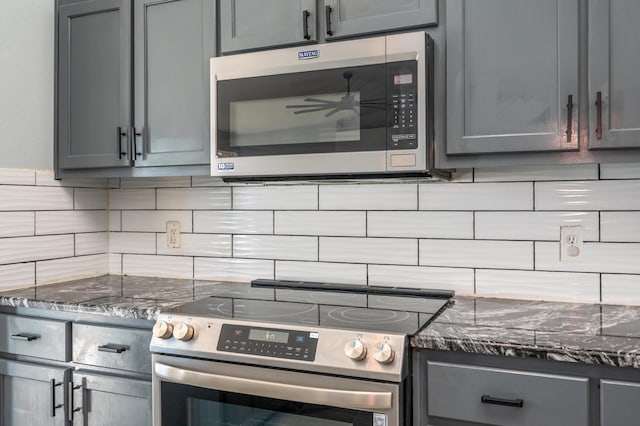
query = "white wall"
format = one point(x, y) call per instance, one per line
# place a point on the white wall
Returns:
point(26, 83)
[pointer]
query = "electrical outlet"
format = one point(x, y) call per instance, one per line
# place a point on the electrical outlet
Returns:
point(571, 243)
point(173, 234)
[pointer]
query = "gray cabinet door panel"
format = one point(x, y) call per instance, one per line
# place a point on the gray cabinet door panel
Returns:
point(619, 403)
point(511, 67)
point(614, 66)
point(94, 84)
point(353, 17)
point(173, 43)
point(255, 24)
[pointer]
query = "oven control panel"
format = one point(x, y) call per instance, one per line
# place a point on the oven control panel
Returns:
point(270, 342)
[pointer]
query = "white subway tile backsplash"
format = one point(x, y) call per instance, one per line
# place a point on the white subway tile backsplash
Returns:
point(113, 183)
point(115, 220)
point(90, 199)
point(207, 181)
point(369, 197)
point(155, 220)
point(194, 199)
point(233, 222)
point(92, 243)
point(28, 249)
point(621, 289)
point(115, 264)
point(51, 271)
point(537, 285)
point(595, 257)
point(16, 198)
point(533, 225)
point(537, 173)
point(212, 245)
point(588, 195)
point(275, 247)
point(420, 224)
point(303, 197)
point(17, 276)
point(476, 196)
point(67, 222)
point(157, 266)
point(343, 273)
point(458, 279)
point(46, 178)
point(477, 254)
point(230, 269)
point(17, 177)
point(328, 223)
point(16, 224)
point(132, 242)
point(156, 182)
point(620, 226)
point(132, 199)
point(620, 171)
point(369, 250)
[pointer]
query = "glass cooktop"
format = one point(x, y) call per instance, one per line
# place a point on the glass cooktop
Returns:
point(366, 308)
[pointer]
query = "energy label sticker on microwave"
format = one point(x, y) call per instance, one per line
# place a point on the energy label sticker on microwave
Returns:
point(226, 166)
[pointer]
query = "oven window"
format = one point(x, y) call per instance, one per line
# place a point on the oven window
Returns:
point(184, 405)
point(335, 110)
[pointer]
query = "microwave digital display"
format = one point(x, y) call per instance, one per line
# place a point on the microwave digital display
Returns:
point(402, 79)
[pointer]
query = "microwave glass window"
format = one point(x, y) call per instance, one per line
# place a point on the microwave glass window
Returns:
point(320, 118)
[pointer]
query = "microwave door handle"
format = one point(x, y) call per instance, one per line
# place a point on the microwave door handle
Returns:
point(354, 400)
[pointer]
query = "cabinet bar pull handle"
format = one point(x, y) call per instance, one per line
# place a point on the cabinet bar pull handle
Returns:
point(73, 409)
point(327, 15)
point(136, 135)
point(111, 348)
point(305, 24)
point(121, 153)
point(25, 337)
point(487, 399)
point(599, 115)
point(569, 117)
point(52, 388)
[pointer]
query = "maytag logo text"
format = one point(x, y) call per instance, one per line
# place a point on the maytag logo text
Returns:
point(308, 54)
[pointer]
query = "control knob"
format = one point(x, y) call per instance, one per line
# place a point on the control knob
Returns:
point(355, 349)
point(383, 353)
point(162, 330)
point(183, 332)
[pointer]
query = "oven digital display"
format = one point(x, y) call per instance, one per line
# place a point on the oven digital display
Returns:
point(268, 335)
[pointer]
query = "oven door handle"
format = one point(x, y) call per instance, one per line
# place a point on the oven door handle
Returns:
point(354, 400)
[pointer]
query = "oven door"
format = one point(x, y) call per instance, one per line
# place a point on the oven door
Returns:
point(189, 392)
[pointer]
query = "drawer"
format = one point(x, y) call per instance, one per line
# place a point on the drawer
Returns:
point(619, 403)
point(112, 347)
point(38, 337)
point(505, 397)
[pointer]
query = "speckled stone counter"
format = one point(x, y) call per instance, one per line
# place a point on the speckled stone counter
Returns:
point(585, 333)
point(111, 295)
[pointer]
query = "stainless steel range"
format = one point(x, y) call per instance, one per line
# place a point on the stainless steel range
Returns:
point(289, 353)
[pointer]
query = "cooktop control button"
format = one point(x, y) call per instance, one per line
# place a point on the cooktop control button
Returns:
point(162, 330)
point(383, 353)
point(183, 332)
point(355, 349)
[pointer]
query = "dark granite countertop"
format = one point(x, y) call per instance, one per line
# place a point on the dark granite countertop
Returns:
point(572, 332)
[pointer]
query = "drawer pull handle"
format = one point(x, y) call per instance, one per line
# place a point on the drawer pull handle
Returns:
point(518, 403)
point(25, 337)
point(52, 388)
point(111, 348)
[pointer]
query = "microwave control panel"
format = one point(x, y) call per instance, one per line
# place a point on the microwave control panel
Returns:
point(403, 94)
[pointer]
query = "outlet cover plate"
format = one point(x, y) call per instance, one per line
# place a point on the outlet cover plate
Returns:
point(173, 234)
point(571, 243)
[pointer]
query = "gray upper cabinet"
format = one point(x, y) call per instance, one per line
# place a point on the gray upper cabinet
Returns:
point(345, 18)
point(512, 76)
point(94, 83)
point(255, 24)
point(173, 43)
point(614, 66)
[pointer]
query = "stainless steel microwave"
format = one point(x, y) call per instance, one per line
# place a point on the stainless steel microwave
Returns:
point(345, 109)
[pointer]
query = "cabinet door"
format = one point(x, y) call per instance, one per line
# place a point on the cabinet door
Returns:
point(31, 394)
point(351, 17)
point(173, 43)
point(619, 403)
point(110, 401)
point(255, 24)
point(94, 84)
point(512, 67)
point(614, 66)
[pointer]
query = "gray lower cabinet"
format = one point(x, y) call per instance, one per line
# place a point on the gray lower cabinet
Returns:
point(32, 394)
point(511, 76)
point(504, 397)
point(614, 86)
point(619, 403)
